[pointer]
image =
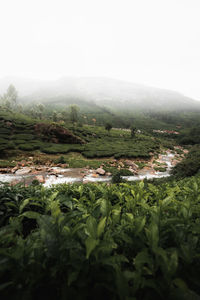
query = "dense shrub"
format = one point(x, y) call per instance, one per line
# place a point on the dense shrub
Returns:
point(18, 142)
point(124, 241)
point(61, 148)
point(60, 160)
point(117, 178)
point(23, 136)
point(125, 172)
point(160, 169)
point(3, 141)
point(188, 166)
point(6, 164)
point(5, 131)
point(190, 137)
point(28, 147)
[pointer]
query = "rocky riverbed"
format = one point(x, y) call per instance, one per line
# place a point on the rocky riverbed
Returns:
point(26, 172)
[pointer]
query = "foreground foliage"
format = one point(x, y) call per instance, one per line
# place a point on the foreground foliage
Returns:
point(126, 241)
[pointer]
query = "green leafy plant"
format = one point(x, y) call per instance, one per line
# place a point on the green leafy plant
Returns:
point(94, 241)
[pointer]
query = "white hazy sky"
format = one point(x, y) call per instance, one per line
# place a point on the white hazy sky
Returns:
point(154, 42)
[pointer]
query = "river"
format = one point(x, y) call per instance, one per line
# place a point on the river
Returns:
point(74, 175)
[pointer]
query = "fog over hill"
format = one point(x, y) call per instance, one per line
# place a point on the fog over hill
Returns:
point(110, 93)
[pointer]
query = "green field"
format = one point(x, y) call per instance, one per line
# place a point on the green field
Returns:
point(17, 134)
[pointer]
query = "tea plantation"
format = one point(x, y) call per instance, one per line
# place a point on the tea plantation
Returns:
point(98, 241)
point(20, 133)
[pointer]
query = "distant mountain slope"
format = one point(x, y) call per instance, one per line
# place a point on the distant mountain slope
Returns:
point(100, 92)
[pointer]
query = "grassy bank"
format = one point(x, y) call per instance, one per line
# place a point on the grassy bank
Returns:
point(18, 134)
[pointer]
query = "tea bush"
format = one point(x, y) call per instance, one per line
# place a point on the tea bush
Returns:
point(99, 241)
point(190, 165)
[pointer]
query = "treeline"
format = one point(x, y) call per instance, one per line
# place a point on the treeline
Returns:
point(62, 110)
point(190, 165)
point(190, 136)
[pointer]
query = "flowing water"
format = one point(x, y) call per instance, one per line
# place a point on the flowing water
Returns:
point(71, 175)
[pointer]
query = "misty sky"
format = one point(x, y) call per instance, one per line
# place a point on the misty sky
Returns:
point(154, 42)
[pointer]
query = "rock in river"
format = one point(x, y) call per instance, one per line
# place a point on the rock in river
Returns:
point(40, 178)
point(23, 171)
point(132, 164)
point(100, 171)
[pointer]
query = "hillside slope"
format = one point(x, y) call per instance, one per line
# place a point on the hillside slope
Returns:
point(100, 92)
point(22, 133)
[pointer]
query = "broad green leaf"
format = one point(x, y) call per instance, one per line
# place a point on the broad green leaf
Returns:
point(90, 244)
point(24, 203)
point(30, 214)
point(133, 193)
point(92, 196)
point(139, 223)
point(141, 184)
point(80, 189)
point(72, 277)
point(68, 203)
point(167, 201)
point(129, 274)
point(66, 229)
point(53, 196)
point(144, 205)
point(104, 207)
point(91, 227)
point(184, 212)
point(130, 216)
point(142, 258)
point(11, 204)
point(101, 226)
point(116, 215)
point(195, 186)
point(153, 235)
point(55, 209)
point(3, 286)
point(180, 284)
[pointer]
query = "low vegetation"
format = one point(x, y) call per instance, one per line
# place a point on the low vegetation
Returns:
point(114, 241)
point(125, 241)
point(19, 132)
point(190, 165)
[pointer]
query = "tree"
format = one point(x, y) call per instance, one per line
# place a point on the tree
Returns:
point(40, 107)
point(127, 124)
point(20, 108)
point(1, 100)
point(33, 112)
point(9, 99)
point(85, 119)
point(108, 126)
point(64, 116)
point(133, 131)
point(55, 116)
point(74, 113)
point(94, 121)
point(11, 94)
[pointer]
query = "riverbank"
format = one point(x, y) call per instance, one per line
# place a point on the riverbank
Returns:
point(26, 171)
